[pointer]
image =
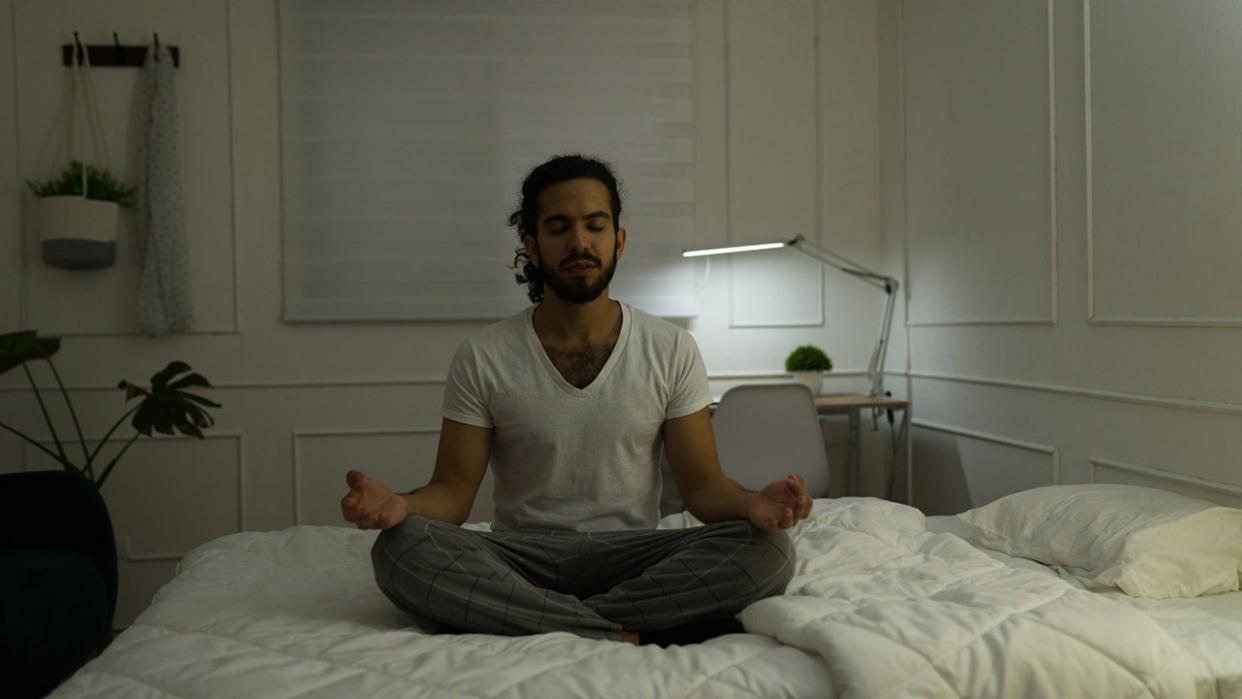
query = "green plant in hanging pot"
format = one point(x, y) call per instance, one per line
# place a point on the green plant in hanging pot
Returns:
point(101, 185)
point(808, 363)
point(166, 406)
point(77, 215)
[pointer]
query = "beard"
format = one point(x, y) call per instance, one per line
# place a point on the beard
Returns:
point(578, 289)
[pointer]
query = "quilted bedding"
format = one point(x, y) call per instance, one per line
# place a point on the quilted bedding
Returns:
point(897, 611)
point(879, 607)
point(296, 613)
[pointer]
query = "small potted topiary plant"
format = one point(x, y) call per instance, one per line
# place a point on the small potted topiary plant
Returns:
point(808, 363)
point(77, 215)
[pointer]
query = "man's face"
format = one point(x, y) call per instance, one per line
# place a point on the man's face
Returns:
point(577, 246)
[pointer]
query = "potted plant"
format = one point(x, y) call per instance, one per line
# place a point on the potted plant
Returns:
point(64, 512)
point(808, 363)
point(165, 407)
point(77, 214)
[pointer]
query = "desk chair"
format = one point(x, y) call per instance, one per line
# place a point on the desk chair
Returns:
point(763, 432)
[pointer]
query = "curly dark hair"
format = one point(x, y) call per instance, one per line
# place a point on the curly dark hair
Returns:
point(559, 169)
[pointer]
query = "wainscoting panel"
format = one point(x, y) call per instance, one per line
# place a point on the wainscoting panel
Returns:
point(105, 302)
point(402, 459)
point(957, 469)
point(981, 221)
point(138, 581)
point(1106, 471)
point(12, 189)
point(1161, 88)
point(168, 495)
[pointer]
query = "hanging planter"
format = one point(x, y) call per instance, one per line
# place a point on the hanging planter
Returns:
point(77, 216)
point(77, 233)
point(78, 211)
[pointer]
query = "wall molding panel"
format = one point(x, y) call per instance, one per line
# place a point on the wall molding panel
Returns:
point(124, 544)
point(1227, 490)
point(1093, 316)
point(766, 291)
point(815, 317)
point(1169, 322)
point(1095, 394)
point(414, 381)
point(998, 439)
point(1053, 232)
point(246, 385)
point(234, 328)
point(961, 468)
point(1049, 321)
point(297, 435)
point(125, 552)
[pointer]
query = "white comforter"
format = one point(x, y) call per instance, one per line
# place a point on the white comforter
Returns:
point(881, 607)
point(897, 611)
point(296, 613)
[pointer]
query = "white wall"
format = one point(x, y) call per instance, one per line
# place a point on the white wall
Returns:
point(1064, 175)
point(787, 137)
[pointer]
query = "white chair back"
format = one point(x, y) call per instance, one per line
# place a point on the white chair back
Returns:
point(763, 433)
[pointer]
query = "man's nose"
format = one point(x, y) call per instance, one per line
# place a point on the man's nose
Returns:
point(579, 237)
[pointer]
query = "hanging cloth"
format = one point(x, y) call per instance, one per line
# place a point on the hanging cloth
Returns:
point(164, 305)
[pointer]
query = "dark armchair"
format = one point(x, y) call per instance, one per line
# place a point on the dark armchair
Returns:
point(58, 578)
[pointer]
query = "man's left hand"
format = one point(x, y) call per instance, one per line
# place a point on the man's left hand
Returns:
point(780, 505)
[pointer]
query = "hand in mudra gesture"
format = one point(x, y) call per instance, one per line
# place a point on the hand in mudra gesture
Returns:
point(780, 505)
point(371, 505)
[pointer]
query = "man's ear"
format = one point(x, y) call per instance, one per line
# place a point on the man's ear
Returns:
point(532, 249)
point(620, 242)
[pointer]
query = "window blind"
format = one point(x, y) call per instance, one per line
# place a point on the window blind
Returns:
point(407, 127)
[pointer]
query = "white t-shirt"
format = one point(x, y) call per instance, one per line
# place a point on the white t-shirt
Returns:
point(568, 458)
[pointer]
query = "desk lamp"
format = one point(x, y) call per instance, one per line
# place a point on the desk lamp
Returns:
point(875, 369)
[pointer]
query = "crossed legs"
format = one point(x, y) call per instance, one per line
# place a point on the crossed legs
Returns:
point(595, 584)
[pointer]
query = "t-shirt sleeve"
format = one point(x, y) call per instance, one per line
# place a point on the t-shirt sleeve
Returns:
point(464, 398)
point(689, 393)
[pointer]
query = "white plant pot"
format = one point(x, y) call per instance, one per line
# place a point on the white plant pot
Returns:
point(813, 380)
point(76, 232)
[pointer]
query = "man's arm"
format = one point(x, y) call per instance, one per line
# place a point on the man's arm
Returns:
point(461, 460)
point(690, 444)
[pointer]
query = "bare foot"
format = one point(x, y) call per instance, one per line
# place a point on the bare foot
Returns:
point(629, 637)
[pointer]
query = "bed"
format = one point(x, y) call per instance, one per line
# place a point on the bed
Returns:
point(885, 602)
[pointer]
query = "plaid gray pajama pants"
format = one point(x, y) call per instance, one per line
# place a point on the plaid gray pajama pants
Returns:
point(593, 584)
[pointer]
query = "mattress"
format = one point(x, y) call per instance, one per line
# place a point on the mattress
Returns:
point(883, 603)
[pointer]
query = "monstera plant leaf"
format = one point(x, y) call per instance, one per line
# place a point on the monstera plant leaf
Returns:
point(25, 346)
point(167, 407)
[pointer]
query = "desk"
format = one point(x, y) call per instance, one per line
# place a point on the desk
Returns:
point(853, 404)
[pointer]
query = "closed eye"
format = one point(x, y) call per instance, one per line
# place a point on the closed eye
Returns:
point(560, 224)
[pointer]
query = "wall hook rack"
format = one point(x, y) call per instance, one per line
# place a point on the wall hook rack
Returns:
point(114, 54)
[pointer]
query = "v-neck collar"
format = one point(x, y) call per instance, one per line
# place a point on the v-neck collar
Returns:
point(537, 347)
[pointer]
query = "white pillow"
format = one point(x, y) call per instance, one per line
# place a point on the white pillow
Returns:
point(1148, 543)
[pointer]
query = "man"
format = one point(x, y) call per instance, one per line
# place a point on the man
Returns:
point(571, 401)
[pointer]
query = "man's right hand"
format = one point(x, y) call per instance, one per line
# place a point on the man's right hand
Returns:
point(370, 505)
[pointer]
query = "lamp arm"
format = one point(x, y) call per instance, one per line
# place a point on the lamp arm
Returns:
point(875, 368)
point(840, 263)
